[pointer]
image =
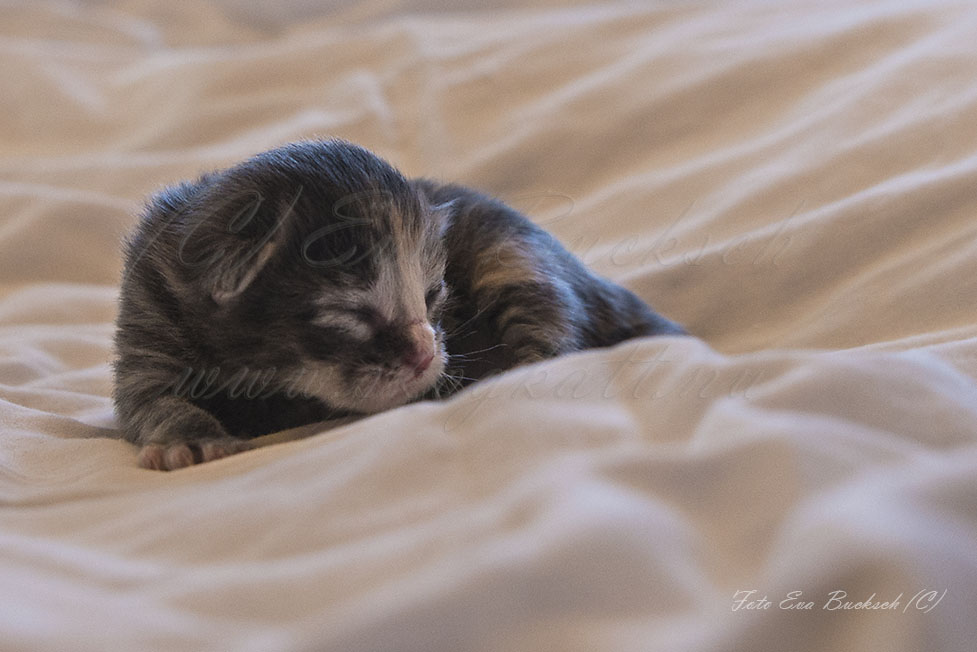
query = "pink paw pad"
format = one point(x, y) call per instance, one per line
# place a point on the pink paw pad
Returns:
point(183, 454)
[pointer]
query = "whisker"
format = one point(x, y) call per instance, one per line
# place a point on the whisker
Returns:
point(478, 313)
point(452, 382)
point(460, 377)
point(469, 353)
point(454, 334)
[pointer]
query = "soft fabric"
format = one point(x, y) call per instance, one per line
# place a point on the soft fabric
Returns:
point(795, 182)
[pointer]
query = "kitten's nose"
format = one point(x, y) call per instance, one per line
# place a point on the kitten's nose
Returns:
point(421, 353)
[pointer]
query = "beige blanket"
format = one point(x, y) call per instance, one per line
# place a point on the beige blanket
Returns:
point(795, 182)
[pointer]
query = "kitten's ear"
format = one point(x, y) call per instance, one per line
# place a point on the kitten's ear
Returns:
point(443, 215)
point(231, 241)
point(230, 281)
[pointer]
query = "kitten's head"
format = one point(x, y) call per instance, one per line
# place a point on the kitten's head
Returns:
point(322, 261)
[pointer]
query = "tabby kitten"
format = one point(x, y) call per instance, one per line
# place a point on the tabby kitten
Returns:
point(315, 281)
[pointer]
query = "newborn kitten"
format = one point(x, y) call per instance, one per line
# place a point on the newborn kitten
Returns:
point(315, 281)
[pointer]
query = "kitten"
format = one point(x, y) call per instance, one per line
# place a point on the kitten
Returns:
point(315, 281)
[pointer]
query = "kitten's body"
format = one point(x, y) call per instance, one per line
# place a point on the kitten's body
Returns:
point(315, 281)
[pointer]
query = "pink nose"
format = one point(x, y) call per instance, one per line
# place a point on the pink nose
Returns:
point(421, 352)
point(419, 360)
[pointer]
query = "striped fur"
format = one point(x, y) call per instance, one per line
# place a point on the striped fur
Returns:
point(315, 281)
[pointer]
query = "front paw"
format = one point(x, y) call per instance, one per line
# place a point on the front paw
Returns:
point(180, 454)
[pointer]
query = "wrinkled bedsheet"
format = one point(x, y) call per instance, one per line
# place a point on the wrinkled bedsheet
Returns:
point(795, 182)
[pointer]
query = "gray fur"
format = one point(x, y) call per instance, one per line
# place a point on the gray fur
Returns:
point(315, 281)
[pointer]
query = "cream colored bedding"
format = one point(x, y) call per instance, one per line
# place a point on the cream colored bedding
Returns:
point(795, 182)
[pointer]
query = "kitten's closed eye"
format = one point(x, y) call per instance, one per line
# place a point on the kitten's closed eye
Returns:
point(435, 294)
point(366, 314)
point(359, 321)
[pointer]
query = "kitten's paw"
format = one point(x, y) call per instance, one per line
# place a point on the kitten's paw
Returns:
point(218, 448)
point(178, 455)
